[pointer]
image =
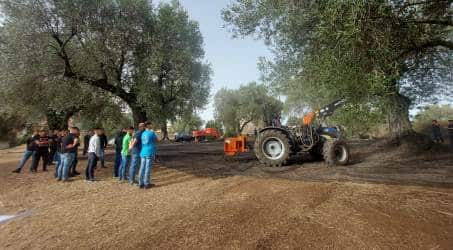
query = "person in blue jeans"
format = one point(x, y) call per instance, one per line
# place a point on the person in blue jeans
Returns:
point(30, 151)
point(125, 153)
point(60, 134)
point(135, 147)
point(118, 147)
point(147, 153)
point(68, 147)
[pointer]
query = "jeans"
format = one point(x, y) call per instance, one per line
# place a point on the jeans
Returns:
point(134, 167)
point(125, 161)
point(92, 161)
point(146, 166)
point(40, 154)
point(102, 158)
point(72, 167)
point(25, 158)
point(66, 162)
point(58, 163)
point(116, 167)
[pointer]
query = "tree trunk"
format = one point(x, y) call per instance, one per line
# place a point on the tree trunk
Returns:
point(58, 120)
point(399, 124)
point(138, 114)
point(164, 130)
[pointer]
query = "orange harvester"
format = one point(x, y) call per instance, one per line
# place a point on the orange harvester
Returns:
point(233, 146)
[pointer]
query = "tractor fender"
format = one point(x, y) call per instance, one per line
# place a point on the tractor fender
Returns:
point(285, 131)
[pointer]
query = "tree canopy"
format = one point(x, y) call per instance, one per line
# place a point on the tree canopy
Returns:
point(114, 51)
point(250, 103)
point(381, 55)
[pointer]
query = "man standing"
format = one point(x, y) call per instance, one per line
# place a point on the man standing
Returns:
point(68, 147)
point(104, 143)
point(149, 139)
point(73, 166)
point(118, 147)
point(30, 151)
point(52, 146)
point(42, 151)
point(94, 151)
point(126, 155)
point(86, 141)
point(437, 135)
point(135, 147)
point(58, 141)
point(450, 132)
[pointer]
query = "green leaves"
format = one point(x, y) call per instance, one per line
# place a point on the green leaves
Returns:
point(250, 103)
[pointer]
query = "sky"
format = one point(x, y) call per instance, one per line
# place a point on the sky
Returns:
point(234, 61)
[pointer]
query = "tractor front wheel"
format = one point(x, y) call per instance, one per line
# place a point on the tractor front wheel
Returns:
point(336, 152)
point(272, 148)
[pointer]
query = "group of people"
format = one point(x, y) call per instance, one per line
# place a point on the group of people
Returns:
point(437, 133)
point(135, 152)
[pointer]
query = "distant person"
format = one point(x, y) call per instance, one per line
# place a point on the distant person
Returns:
point(42, 150)
point(30, 151)
point(450, 132)
point(52, 146)
point(125, 153)
point(68, 149)
point(86, 141)
point(118, 147)
point(104, 143)
point(94, 151)
point(437, 134)
point(135, 147)
point(147, 153)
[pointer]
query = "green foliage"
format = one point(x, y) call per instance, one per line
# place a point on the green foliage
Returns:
point(187, 123)
point(375, 53)
point(149, 58)
point(214, 124)
point(250, 103)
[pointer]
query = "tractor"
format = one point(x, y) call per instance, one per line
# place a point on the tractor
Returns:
point(275, 145)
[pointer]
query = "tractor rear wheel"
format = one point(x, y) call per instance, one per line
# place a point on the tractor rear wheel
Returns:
point(272, 148)
point(336, 153)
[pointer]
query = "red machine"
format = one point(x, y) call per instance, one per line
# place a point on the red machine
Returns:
point(205, 133)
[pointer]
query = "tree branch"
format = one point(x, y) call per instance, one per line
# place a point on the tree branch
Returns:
point(101, 83)
point(427, 45)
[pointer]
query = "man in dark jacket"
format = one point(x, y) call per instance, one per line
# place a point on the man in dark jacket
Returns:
point(118, 147)
point(42, 150)
point(30, 151)
point(86, 141)
point(437, 134)
point(104, 143)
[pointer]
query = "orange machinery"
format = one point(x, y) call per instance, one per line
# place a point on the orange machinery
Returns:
point(235, 145)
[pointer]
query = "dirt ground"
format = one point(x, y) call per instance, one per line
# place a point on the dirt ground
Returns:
point(385, 199)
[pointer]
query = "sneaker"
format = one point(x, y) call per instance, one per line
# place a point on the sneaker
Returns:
point(16, 171)
point(149, 186)
point(76, 173)
point(141, 186)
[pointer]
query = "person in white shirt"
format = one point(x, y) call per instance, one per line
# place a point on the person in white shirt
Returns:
point(94, 152)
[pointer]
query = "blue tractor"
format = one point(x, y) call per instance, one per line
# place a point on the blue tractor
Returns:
point(275, 145)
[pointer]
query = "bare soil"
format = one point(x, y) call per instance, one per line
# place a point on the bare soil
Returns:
point(385, 199)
